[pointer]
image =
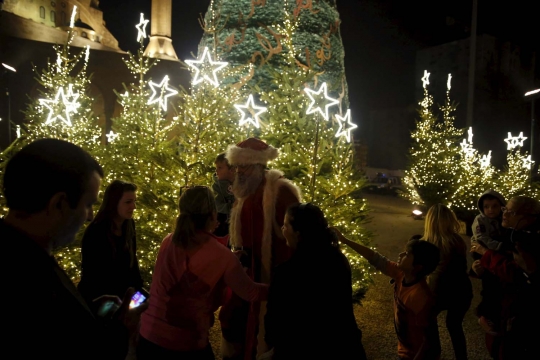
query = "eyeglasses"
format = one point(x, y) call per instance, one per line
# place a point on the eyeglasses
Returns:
point(509, 211)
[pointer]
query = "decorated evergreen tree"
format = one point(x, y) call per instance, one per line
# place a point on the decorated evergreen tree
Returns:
point(432, 172)
point(515, 180)
point(63, 111)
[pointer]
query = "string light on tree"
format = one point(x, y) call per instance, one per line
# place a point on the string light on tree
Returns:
point(514, 141)
point(141, 28)
point(320, 99)
point(345, 125)
point(485, 161)
point(206, 69)
point(111, 136)
point(252, 111)
point(68, 106)
point(527, 162)
point(425, 79)
point(161, 96)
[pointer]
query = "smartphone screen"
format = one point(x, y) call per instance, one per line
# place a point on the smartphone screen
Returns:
point(137, 299)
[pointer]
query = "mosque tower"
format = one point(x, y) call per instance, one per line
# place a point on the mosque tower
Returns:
point(160, 45)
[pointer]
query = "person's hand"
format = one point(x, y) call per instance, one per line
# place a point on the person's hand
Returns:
point(479, 249)
point(103, 299)
point(477, 268)
point(130, 317)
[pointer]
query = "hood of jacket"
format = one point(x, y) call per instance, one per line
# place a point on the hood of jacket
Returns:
point(493, 193)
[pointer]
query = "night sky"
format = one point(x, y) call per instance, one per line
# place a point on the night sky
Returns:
point(380, 37)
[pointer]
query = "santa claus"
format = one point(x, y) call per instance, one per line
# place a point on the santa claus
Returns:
point(262, 198)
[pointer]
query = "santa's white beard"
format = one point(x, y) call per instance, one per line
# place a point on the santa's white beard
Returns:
point(244, 186)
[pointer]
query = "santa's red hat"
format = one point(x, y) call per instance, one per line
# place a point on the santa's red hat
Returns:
point(251, 151)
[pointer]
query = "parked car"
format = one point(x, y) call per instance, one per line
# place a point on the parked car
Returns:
point(384, 184)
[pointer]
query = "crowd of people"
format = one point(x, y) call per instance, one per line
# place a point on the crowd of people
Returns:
point(251, 248)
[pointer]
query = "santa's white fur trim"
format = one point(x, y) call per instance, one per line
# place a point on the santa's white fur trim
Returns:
point(244, 156)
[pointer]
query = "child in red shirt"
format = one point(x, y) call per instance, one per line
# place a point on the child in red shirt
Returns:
point(414, 317)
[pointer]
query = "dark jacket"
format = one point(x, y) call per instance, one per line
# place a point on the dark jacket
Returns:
point(107, 267)
point(45, 316)
point(309, 310)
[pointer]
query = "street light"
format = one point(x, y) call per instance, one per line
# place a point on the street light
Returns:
point(533, 95)
point(12, 69)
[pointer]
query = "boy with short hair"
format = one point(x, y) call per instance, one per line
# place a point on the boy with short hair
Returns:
point(414, 315)
point(222, 187)
point(487, 225)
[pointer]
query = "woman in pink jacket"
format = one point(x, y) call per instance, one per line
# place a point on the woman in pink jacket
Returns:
point(190, 275)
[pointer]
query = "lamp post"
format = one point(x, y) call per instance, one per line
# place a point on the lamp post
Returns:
point(533, 95)
point(8, 94)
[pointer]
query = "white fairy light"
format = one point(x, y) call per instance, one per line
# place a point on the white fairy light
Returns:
point(320, 99)
point(253, 111)
point(165, 91)
point(87, 55)
point(448, 82)
point(470, 133)
point(345, 130)
point(73, 13)
point(141, 28)
point(18, 131)
point(204, 66)
point(425, 79)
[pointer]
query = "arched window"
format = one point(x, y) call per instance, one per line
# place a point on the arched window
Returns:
point(42, 12)
point(53, 16)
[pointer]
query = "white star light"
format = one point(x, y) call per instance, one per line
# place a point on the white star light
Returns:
point(204, 66)
point(449, 82)
point(514, 141)
point(320, 98)
point(18, 131)
point(165, 91)
point(69, 106)
point(467, 149)
point(141, 28)
point(253, 112)
point(425, 79)
point(345, 130)
point(111, 136)
point(470, 135)
point(87, 55)
point(527, 162)
point(485, 160)
point(72, 21)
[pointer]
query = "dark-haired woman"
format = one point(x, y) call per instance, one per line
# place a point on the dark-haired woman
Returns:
point(309, 310)
point(190, 275)
point(109, 259)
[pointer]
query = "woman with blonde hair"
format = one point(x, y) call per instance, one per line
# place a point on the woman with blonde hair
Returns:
point(190, 275)
point(449, 282)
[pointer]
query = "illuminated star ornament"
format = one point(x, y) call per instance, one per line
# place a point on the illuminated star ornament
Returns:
point(448, 83)
point(345, 125)
point(514, 141)
point(72, 20)
point(111, 136)
point(141, 28)
point(467, 149)
point(18, 131)
point(320, 99)
point(425, 79)
point(485, 160)
point(527, 162)
point(69, 106)
point(165, 91)
point(470, 133)
point(252, 111)
point(206, 69)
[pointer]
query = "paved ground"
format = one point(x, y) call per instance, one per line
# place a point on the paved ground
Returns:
point(392, 227)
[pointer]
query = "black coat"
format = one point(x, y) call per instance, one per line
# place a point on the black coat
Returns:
point(107, 268)
point(309, 310)
point(45, 317)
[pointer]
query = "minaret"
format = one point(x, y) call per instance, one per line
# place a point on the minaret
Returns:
point(160, 45)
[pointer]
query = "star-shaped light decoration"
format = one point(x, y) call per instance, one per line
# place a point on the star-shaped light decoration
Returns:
point(485, 161)
point(69, 106)
point(165, 91)
point(527, 162)
point(111, 136)
point(141, 28)
point(72, 20)
point(448, 82)
point(252, 111)
point(206, 69)
point(514, 141)
point(470, 133)
point(345, 125)
point(18, 131)
point(467, 148)
point(320, 99)
point(425, 79)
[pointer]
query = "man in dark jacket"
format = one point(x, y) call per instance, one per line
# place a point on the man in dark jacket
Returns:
point(50, 186)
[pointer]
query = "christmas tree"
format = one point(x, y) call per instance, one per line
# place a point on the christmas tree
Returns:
point(63, 111)
point(302, 123)
point(432, 174)
point(515, 179)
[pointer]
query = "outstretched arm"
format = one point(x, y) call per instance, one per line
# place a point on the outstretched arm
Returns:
point(366, 252)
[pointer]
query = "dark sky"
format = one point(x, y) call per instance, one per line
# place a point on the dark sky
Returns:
point(380, 38)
